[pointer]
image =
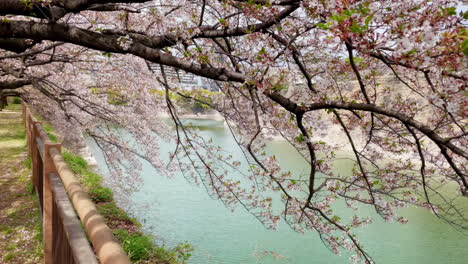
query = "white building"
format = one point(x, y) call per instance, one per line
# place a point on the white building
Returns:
point(185, 80)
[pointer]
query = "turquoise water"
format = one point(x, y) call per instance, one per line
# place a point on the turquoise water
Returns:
point(176, 211)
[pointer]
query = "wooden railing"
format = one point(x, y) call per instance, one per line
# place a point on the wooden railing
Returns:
point(59, 196)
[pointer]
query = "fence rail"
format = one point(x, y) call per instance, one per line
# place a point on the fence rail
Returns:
point(60, 195)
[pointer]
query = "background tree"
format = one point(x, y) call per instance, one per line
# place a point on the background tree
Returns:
point(387, 76)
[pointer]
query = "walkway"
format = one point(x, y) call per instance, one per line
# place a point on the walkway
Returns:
point(20, 237)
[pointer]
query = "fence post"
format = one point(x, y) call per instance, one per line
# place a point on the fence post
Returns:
point(34, 153)
point(28, 129)
point(48, 202)
point(23, 112)
point(26, 124)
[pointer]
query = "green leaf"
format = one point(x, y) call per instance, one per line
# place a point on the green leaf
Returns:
point(450, 11)
point(107, 54)
point(323, 26)
point(465, 47)
point(262, 51)
point(223, 22)
point(348, 12)
point(300, 138)
point(336, 218)
point(411, 52)
point(368, 19)
point(279, 87)
point(465, 15)
point(355, 28)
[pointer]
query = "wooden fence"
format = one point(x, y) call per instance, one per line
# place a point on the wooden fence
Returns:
point(60, 195)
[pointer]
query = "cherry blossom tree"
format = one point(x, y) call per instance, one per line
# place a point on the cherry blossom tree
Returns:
point(381, 80)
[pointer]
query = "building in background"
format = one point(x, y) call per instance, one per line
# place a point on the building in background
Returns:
point(183, 79)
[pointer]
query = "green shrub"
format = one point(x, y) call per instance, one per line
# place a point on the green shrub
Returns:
point(53, 138)
point(16, 100)
point(76, 163)
point(137, 246)
point(100, 194)
point(112, 211)
point(178, 255)
point(140, 247)
point(91, 179)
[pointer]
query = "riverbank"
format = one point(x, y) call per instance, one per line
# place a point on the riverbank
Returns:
point(20, 225)
point(139, 246)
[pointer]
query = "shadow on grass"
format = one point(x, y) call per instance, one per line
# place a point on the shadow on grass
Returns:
point(20, 225)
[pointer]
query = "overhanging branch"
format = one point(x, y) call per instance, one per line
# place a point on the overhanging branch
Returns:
point(10, 85)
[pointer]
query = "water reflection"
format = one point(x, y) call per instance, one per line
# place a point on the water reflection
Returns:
point(184, 212)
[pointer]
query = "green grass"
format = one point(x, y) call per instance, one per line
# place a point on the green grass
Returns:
point(137, 246)
point(50, 132)
point(89, 179)
point(9, 256)
point(6, 229)
point(48, 128)
point(20, 229)
point(25, 178)
point(141, 247)
point(28, 163)
point(76, 163)
point(101, 194)
point(12, 246)
point(38, 227)
point(13, 107)
point(111, 210)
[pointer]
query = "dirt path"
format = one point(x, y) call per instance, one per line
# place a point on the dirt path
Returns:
point(20, 235)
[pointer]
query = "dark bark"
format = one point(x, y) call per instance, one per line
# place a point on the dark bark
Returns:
point(110, 43)
point(3, 101)
point(57, 8)
point(14, 84)
point(4, 95)
point(16, 44)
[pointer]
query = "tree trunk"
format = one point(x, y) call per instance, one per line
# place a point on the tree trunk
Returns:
point(3, 102)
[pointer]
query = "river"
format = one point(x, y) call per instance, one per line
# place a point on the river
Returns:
point(177, 211)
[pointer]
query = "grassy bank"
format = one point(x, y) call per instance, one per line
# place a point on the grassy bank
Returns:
point(140, 247)
point(20, 225)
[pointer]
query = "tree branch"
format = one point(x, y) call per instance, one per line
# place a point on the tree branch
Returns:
point(8, 85)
